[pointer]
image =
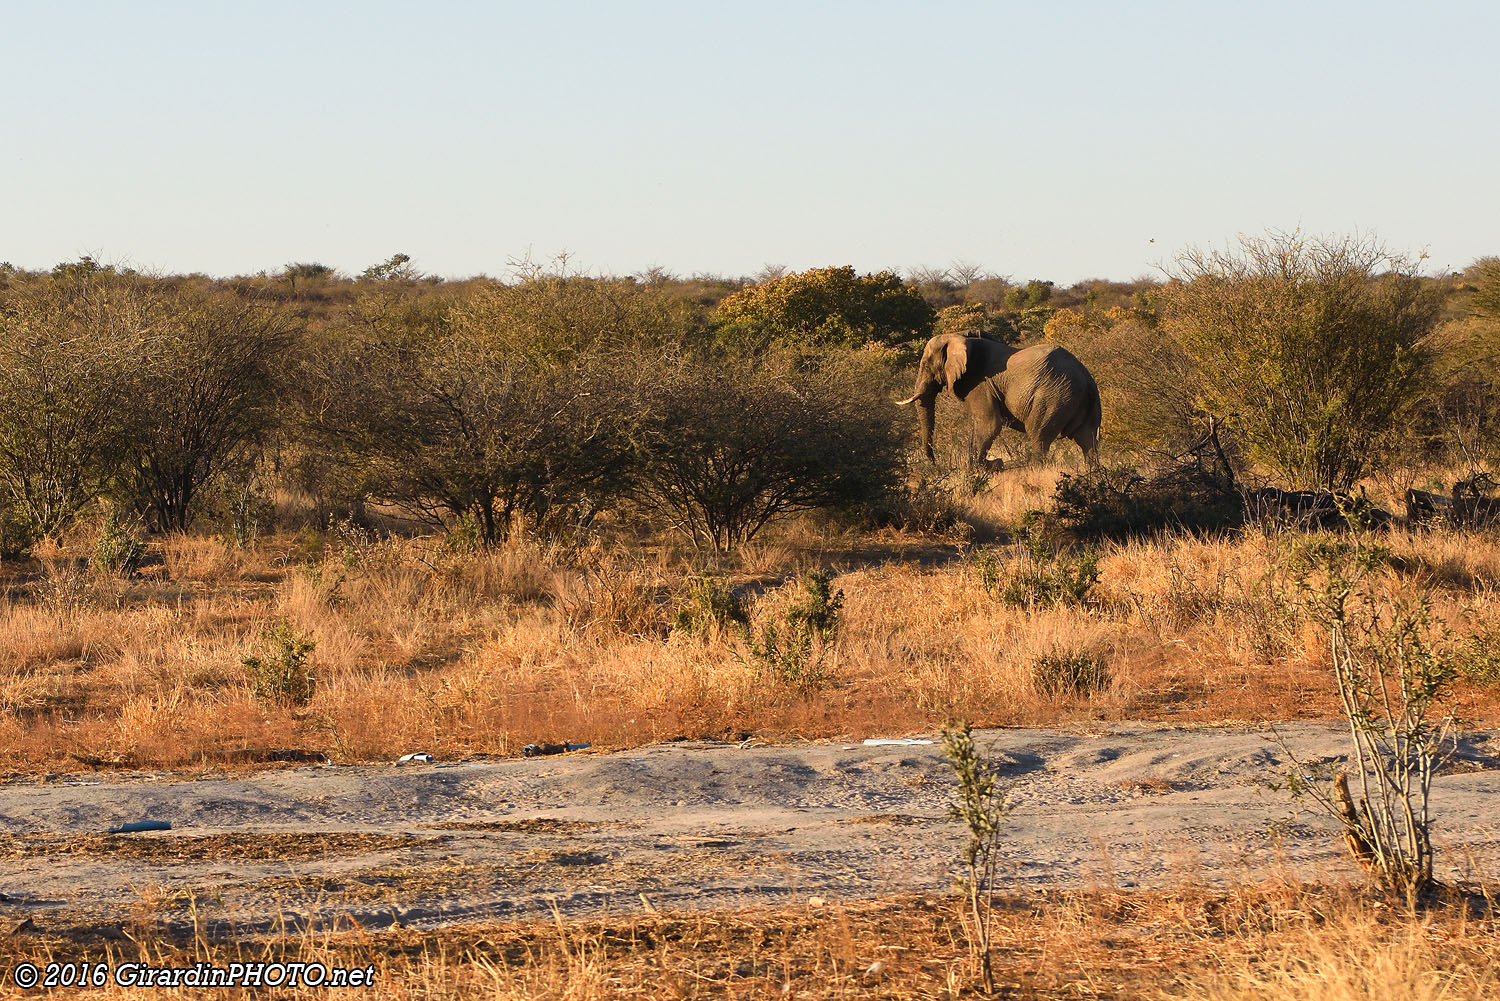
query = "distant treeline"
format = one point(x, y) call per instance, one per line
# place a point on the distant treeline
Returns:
point(702, 404)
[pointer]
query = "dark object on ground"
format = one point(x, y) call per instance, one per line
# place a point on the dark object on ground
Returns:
point(241, 755)
point(1423, 506)
point(1313, 509)
point(1474, 501)
point(1116, 503)
point(537, 750)
point(137, 826)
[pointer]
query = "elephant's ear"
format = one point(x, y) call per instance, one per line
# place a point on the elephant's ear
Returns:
point(955, 361)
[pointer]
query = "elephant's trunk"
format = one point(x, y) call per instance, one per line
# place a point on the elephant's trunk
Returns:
point(928, 406)
point(924, 394)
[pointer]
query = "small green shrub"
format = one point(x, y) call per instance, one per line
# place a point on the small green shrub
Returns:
point(710, 605)
point(1303, 554)
point(981, 805)
point(1477, 657)
point(307, 546)
point(283, 672)
point(927, 506)
point(464, 536)
point(1042, 574)
point(326, 578)
point(991, 569)
point(1069, 673)
point(241, 506)
point(794, 649)
point(117, 550)
point(1393, 686)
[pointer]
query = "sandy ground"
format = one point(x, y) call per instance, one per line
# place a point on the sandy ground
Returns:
point(678, 826)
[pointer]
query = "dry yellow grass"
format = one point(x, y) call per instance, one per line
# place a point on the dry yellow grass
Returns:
point(461, 653)
point(1357, 961)
point(1241, 944)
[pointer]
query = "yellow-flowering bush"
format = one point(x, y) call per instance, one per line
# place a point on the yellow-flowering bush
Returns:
point(831, 306)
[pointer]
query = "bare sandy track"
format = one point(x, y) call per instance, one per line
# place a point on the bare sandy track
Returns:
point(679, 826)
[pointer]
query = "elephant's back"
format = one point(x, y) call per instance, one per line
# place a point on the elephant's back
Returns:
point(1056, 364)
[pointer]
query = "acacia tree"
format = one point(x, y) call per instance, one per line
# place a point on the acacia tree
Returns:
point(831, 307)
point(456, 428)
point(70, 344)
point(205, 393)
point(508, 406)
point(1310, 350)
point(723, 453)
point(1486, 273)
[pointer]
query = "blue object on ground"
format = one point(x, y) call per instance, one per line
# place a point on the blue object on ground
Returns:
point(136, 826)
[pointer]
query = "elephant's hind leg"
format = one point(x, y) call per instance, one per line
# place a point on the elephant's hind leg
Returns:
point(1038, 445)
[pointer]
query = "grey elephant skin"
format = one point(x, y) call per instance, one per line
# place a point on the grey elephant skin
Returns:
point(1043, 391)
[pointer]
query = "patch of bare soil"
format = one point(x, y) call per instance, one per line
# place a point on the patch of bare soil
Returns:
point(682, 827)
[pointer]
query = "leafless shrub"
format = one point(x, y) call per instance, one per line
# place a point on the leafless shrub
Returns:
point(204, 394)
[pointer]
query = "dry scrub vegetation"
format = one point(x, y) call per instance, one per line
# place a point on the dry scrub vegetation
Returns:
point(416, 644)
point(297, 514)
point(1274, 941)
point(364, 516)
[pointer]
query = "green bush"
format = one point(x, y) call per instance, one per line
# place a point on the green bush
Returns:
point(794, 649)
point(463, 536)
point(829, 307)
point(1478, 656)
point(1311, 351)
point(1041, 573)
point(282, 673)
point(117, 550)
point(1073, 673)
point(1306, 554)
point(1486, 272)
point(709, 605)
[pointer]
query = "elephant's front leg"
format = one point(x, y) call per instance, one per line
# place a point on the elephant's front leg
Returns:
point(986, 421)
point(982, 457)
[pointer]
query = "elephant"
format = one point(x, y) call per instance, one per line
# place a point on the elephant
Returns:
point(1042, 391)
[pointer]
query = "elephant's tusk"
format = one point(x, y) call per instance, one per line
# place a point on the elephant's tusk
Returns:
point(909, 399)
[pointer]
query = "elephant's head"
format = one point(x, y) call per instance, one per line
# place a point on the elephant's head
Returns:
point(945, 362)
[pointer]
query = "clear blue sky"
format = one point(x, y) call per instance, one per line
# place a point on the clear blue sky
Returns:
point(1046, 139)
